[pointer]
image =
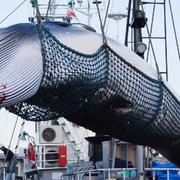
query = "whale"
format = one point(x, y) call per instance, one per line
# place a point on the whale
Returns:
point(59, 69)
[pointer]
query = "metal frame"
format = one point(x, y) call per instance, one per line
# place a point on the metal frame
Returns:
point(136, 34)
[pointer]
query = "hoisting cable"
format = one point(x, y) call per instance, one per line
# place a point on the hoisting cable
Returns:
point(12, 136)
point(112, 4)
point(13, 132)
point(174, 28)
point(49, 4)
point(13, 11)
point(39, 21)
point(101, 24)
point(38, 15)
point(105, 18)
point(10, 140)
point(20, 133)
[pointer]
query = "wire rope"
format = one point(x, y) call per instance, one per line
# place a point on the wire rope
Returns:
point(105, 18)
point(13, 132)
point(48, 8)
point(101, 23)
point(12, 135)
point(13, 11)
point(20, 133)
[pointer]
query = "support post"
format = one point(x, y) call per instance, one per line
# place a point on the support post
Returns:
point(140, 161)
point(137, 31)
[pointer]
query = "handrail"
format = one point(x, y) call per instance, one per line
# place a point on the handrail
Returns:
point(103, 170)
point(108, 172)
point(41, 152)
point(161, 169)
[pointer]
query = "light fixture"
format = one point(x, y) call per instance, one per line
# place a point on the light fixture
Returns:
point(117, 16)
point(141, 48)
point(22, 136)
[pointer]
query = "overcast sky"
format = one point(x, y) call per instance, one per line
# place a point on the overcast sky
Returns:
point(7, 120)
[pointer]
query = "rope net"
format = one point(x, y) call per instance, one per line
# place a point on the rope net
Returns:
point(102, 92)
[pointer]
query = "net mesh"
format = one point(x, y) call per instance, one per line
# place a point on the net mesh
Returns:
point(74, 83)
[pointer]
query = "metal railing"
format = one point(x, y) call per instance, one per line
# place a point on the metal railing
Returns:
point(43, 150)
point(104, 173)
point(167, 170)
point(123, 173)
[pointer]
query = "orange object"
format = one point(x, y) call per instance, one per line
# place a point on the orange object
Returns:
point(62, 156)
point(31, 152)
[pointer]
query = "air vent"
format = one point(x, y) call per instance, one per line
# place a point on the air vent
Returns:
point(48, 134)
point(51, 134)
point(51, 156)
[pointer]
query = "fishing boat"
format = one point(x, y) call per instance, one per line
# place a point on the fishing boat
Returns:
point(55, 69)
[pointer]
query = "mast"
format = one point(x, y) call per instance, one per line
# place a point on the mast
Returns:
point(127, 23)
point(137, 22)
point(137, 31)
point(136, 25)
